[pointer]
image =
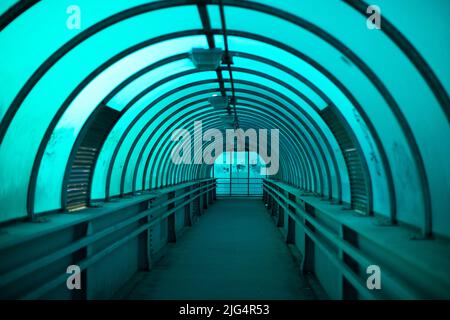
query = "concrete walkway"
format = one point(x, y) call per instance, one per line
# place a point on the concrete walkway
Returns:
point(233, 252)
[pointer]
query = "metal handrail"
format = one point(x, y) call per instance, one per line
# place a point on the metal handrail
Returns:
point(343, 245)
point(9, 277)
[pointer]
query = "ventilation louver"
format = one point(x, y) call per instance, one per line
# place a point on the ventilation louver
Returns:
point(355, 164)
point(84, 156)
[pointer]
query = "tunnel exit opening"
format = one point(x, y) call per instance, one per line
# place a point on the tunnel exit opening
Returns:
point(238, 174)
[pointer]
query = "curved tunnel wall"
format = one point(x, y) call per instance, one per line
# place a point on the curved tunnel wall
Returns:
point(290, 62)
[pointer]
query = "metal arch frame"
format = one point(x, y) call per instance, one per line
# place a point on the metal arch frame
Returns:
point(255, 6)
point(313, 137)
point(163, 159)
point(313, 164)
point(184, 33)
point(162, 148)
point(413, 55)
point(73, 95)
point(173, 105)
point(142, 72)
point(308, 117)
point(379, 85)
point(147, 164)
point(105, 102)
point(142, 130)
point(136, 119)
point(151, 151)
point(294, 163)
point(389, 29)
point(170, 59)
point(15, 11)
point(210, 91)
point(288, 87)
point(190, 168)
point(210, 122)
point(289, 71)
point(353, 101)
point(267, 98)
point(325, 162)
point(294, 167)
point(167, 164)
point(160, 137)
point(313, 122)
point(310, 120)
point(63, 50)
point(187, 117)
point(154, 155)
point(128, 50)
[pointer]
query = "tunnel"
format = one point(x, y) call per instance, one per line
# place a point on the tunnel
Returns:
point(224, 149)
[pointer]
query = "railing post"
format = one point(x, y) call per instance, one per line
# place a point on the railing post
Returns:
point(171, 228)
point(308, 259)
point(147, 256)
point(290, 238)
point(210, 192)
point(280, 220)
point(83, 230)
point(187, 209)
point(197, 201)
point(269, 202)
point(348, 290)
point(215, 190)
point(204, 195)
point(274, 205)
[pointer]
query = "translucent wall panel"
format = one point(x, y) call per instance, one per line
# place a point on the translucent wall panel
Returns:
point(309, 149)
point(98, 187)
point(52, 92)
point(312, 114)
point(311, 135)
point(54, 163)
point(6, 4)
point(400, 77)
point(399, 101)
point(255, 115)
point(430, 14)
point(160, 140)
point(47, 38)
point(162, 163)
point(124, 96)
point(152, 152)
point(152, 136)
point(362, 87)
point(147, 118)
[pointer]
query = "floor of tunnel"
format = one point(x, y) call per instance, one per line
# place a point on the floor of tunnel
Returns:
point(234, 251)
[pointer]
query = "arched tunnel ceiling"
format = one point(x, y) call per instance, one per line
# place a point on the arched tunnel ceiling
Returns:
point(291, 60)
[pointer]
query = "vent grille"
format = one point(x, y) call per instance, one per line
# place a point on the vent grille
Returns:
point(84, 157)
point(355, 165)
